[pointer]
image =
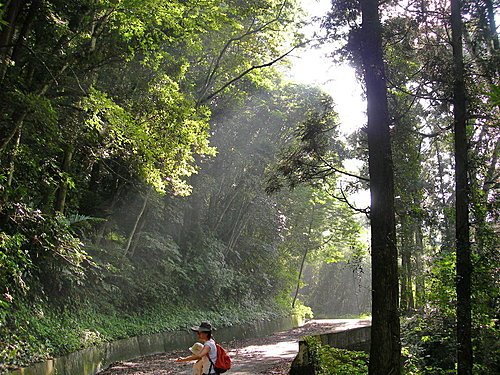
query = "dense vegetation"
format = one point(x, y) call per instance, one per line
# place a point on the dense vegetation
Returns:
point(156, 167)
point(325, 360)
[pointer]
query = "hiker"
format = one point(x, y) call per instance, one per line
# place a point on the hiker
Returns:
point(209, 351)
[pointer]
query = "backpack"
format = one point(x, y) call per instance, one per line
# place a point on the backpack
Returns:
point(223, 362)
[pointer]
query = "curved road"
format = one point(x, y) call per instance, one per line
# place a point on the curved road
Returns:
point(267, 355)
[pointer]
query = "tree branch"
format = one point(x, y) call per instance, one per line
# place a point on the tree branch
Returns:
point(329, 165)
point(253, 67)
point(343, 199)
point(247, 33)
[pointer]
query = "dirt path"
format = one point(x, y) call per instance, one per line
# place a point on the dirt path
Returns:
point(267, 355)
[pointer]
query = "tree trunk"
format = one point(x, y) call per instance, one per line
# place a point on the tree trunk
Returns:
point(492, 24)
point(238, 226)
point(137, 236)
point(490, 178)
point(62, 190)
point(18, 124)
point(136, 224)
point(419, 266)
point(226, 208)
point(7, 32)
point(385, 348)
point(299, 277)
point(463, 250)
point(25, 30)
point(12, 164)
point(409, 278)
point(446, 229)
point(304, 257)
point(407, 244)
point(191, 230)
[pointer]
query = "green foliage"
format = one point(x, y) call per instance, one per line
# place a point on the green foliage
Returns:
point(429, 345)
point(336, 269)
point(14, 262)
point(28, 236)
point(302, 311)
point(442, 292)
point(107, 98)
point(333, 361)
point(313, 153)
point(494, 95)
point(158, 140)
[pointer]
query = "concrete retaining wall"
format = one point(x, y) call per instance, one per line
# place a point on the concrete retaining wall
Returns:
point(350, 339)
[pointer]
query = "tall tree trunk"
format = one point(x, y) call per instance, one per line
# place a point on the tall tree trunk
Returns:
point(25, 30)
point(62, 190)
point(407, 244)
point(385, 348)
point(492, 24)
point(409, 278)
point(18, 120)
point(12, 164)
point(463, 250)
point(304, 257)
point(228, 204)
point(446, 229)
point(419, 265)
point(490, 178)
point(7, 32)
point(239, 225)
point(299, 277)
point(191, 230)
point(137, 236)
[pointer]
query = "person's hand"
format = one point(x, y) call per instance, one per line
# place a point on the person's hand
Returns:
point(180, 359)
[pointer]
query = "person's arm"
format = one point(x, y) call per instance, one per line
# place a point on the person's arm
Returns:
point(194, 357)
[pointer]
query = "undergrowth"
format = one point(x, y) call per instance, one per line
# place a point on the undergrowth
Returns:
point(333, 361)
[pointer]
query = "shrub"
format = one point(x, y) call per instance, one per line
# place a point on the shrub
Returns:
point(334, 361)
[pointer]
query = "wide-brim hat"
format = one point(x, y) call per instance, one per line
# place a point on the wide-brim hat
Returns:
point(203, 327)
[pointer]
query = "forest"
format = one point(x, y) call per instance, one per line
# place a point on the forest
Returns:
point(158, 165)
